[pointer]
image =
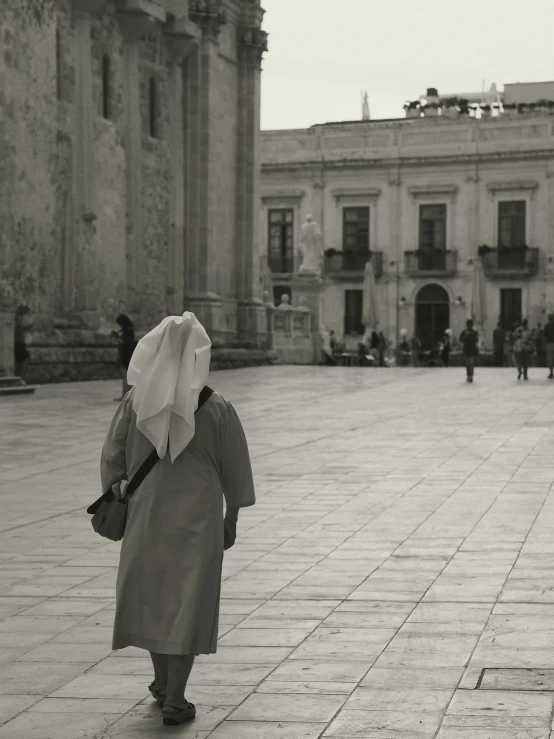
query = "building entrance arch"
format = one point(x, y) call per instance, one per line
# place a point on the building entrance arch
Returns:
point(432, 315)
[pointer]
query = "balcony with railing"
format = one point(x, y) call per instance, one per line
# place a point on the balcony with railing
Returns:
point(352, 263)
point(432, 263)
point(510, 262)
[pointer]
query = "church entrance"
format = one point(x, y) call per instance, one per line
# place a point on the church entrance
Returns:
point(432, 315)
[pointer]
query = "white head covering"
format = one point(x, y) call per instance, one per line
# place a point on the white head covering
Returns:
point(169, 368)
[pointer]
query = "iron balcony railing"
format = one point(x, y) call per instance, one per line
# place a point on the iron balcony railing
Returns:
point(433, 262)
point(510, 261)
point(353, 262)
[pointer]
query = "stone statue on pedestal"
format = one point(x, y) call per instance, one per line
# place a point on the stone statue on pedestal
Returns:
point(311, 247)
point(285, 302)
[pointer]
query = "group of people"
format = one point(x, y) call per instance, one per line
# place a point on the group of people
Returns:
point(521, 345)
point(372, 349)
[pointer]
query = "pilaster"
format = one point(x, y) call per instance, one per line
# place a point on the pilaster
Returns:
point(81, 296)
point(202, 170)
point(134, 25)
point(252, 43)
point(179, 44)
point(310, 287)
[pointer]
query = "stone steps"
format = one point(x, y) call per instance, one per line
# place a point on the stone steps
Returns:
point(15, 386)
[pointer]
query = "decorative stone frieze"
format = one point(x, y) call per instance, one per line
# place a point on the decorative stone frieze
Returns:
point(209, 16)
point(252, 45)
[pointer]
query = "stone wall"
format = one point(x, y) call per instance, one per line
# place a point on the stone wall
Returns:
point(101, 214)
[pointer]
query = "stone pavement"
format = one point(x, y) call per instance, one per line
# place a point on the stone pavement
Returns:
point(393, 581)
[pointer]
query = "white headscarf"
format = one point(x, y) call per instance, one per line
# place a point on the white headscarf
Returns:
point(169, 368)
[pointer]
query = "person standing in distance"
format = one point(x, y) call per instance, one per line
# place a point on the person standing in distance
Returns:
point(469, 339)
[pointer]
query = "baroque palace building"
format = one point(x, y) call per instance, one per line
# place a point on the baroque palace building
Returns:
point(454, 200)
point(130, 173)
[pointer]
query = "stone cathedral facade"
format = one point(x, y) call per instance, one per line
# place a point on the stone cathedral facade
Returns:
point(129, 180)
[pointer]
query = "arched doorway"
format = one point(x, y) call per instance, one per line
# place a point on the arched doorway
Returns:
point(432, 315)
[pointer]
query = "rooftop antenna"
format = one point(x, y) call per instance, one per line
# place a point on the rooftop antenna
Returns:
point(365, 106)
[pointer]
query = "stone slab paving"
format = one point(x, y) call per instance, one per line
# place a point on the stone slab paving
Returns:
point(394, 580)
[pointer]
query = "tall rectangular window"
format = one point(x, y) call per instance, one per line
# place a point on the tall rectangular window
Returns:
point(432, 227)
point(355, 229)
point(281, 240)
point(353, 306)
point(511, 224)
point(510, 306)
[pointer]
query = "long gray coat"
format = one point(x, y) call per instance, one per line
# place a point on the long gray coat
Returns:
point(169, 577)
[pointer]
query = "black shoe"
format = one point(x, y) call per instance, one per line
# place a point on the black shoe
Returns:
point(550, 376)
point(519, 375)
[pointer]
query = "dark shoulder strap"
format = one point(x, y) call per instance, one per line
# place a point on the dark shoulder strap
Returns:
point(152, 458)
point(142, 471)
point(204, 395)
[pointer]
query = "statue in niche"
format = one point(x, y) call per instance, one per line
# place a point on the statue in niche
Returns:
point(311, 247)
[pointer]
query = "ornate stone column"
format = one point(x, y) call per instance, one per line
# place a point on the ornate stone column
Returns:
point(251, 314)
point(180, 42)
point(201, 167)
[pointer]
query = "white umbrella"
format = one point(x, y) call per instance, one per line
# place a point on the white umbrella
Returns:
point(479, 294)
point(369, 308)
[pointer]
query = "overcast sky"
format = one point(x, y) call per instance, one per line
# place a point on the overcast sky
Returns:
point(322, 53)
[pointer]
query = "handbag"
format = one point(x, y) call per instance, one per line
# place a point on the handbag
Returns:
point(109, 515)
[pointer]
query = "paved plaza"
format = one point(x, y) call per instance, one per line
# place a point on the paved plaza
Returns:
point(393, 581)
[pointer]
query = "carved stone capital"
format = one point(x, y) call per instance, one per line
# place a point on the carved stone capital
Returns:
point(136, 25)
point(209, 16)
point(252, 45)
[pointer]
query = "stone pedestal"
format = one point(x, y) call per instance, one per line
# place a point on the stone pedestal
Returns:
point(310, 286)
point(252, 324)
point(7, 328)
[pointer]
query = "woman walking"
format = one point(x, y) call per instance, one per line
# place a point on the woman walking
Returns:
point(523, 349)
point(169, 578)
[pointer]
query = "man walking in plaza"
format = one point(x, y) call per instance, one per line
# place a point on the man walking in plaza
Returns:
point(498, 340)
point(469, 339)
point(548, 333)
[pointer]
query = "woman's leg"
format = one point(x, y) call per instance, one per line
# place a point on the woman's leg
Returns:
point(161, 668)
point(179, 669)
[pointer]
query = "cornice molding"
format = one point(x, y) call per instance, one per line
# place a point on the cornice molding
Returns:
point(370, 193)
point(209, 16)
point(423, 191)
point(274, 195)
point(413, 161)
point(512, 185)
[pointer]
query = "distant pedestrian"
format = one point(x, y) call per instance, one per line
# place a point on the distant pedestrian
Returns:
point(446, 348)
point(469, 339)
point(548, 333)
point(498, 342)
point(415, 349)
point(22, 338)
point(383, 345)
point(403, 352)
point(523, 349)
point(540, 346)
point(126, 339)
